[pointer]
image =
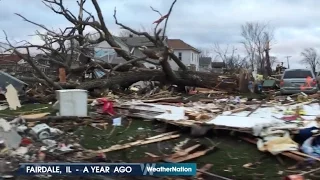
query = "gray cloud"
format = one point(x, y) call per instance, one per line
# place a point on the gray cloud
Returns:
point(200, 23)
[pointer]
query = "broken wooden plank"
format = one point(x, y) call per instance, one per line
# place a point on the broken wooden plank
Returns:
point(151, 155)
point(255, 109)
point(305, 155)
point(34, 116)
point(161, 135)
point(192, 156)
point(161, 99)
point(136, 143)
point(287, 154)
point(182, 153)
point(239, 109)
point(204, 168)
point(213, 175)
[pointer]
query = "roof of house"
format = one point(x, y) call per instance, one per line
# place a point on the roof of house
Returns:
point(204, 61)
point(217, 64)
point(137, 41)
point(9, 59)
point(179, 44)
point(6, 79)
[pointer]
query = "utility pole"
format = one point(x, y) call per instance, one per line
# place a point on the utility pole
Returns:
point(288, 61)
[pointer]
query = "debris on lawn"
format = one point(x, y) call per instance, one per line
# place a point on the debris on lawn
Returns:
point(285, 125)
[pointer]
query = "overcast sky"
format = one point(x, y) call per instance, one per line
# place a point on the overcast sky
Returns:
point(201, 23)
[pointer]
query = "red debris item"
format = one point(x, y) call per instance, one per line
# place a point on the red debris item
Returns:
point(61, 145)
point(161, 19)
point(294, 177)
point(192, 92)
point(107, 106)
point(290, 118)
point(307, 83)
point(25, 142)
point(102, 155)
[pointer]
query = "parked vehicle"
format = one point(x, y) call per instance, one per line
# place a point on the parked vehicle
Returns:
point(298, 80)
point(318, 78)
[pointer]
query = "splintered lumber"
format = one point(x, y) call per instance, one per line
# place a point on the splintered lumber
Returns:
point(151, 155)
point(151, 158)
point(34, 116)
point(239, 109)
point(182, 153)
point(213, 175)
point(204, 168)
point(160, 99)
point(305, 155)
point(161, 135)
point(192, 156)
point(289, 154)
point(137, 143)
point(185, 123)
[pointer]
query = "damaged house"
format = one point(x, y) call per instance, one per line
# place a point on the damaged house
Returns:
point(205, 64)
point(186, 53)
point(104, 52)
point(218, 67)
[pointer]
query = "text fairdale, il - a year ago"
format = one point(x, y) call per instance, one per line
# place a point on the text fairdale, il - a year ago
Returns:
point(67, 169)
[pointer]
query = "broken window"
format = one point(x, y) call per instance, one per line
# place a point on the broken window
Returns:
point(180, 56)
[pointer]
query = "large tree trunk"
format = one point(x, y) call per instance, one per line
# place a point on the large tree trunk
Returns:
point(125, 79)
point(189, 78)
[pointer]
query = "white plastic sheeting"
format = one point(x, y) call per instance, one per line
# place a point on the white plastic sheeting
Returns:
point(264, 115)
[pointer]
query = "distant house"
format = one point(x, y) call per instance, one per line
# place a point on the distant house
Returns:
point(205, 64)
point(47, 66)
point(186, 53)
point(217, 67)
point(12, 63)
point(9, 62)
point(104, 52)
point(134, 43)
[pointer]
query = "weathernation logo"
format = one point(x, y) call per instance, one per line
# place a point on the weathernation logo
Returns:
point(147, 169)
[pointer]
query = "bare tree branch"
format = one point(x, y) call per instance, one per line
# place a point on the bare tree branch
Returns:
point(128, 62)
point(257, 40)
point(311, 58)
point(30, 61)
point(166, 22)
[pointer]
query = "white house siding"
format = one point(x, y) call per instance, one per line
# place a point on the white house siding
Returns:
point(104, 49)
point(188, 57)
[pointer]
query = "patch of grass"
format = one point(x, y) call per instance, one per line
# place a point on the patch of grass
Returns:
point(27, 109)
point(227, 160)
point(93, 138)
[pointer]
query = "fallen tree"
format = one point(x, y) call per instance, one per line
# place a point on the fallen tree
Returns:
point(125, 79)
point(123, 75)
